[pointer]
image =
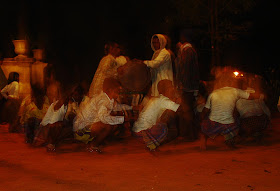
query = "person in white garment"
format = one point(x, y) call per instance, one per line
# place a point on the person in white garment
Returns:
point(9, 99)
point(94, 121)
point(153, 129)
point(220, 106)
point(107, 68)
point(160, 64)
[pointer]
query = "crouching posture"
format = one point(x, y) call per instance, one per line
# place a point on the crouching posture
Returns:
point(150, 123)
point(94, 122)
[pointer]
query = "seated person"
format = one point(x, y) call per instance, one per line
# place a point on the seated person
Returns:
point(55, 113)
point(152, 125)
point(62, 130)
point(220, 106)
point(94, 122)
point(254, 114)
point(33, 112)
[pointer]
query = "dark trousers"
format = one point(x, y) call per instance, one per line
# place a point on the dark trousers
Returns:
point(186, 121)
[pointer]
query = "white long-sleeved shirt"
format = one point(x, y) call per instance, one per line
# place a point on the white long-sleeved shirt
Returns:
point(96, 109)
point(11, 90)
point(161, 68)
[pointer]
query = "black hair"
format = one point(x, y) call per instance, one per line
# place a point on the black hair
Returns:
point(13, 76)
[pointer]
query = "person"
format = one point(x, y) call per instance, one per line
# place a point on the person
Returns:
point(150, 124)
point(107, 68)
point(62, 130)
point(10, 102)
point(53, 86)
point(187, 82)
point(161, 64)
point(94, 121)
point(254, 115)
point(218, 112)
point(33, 112)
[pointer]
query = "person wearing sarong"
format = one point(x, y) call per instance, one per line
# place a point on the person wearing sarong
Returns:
point(55, 113)
point(94, 122)
point(160, 65)
point(63, 130)
point(9, 99)
point(33, 112)
point(154, 130)
point(107, 68)
point(254, 117)
point(220, 105)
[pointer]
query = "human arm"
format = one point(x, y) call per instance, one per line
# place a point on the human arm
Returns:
point(163, 57)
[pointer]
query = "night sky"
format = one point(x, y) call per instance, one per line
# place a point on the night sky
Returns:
point(73, 33)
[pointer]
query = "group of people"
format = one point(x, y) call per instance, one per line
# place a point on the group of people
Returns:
point(177, 105)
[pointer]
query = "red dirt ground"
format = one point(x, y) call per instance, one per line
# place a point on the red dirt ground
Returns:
point(126, 165)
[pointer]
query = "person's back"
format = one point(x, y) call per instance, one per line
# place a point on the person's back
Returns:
point(221, 103)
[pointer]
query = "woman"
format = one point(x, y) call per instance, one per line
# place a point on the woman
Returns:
point(161, 64)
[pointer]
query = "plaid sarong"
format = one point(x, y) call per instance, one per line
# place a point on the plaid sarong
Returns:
point(212, 129)
point(252, 125)
point(155, 135)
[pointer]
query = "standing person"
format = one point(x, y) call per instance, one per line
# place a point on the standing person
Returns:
point(107, 68)
point(187, 82)
point(10, 99)
point(161, 64)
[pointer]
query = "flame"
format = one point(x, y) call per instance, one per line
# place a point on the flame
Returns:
point(236, 73)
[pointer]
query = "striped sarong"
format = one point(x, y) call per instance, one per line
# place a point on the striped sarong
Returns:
point(154, 136)
point(212, 129)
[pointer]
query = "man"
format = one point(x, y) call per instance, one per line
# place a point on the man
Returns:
point(187, 82)
point(94, 122)
point(151, 122)
point(161, 64)
point(106, 68)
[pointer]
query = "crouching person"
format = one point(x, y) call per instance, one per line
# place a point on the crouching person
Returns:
point(33, 112)
point(157, 115)
point(94, 122)
point(63, 130)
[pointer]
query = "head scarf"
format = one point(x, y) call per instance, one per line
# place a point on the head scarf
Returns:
point(162, 41)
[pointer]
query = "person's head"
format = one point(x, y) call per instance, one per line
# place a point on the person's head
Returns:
point(112, 48)
point(112, 87)
point(158, 42)
point(166, 88)
point(13, 76)
point(185, 35)
point(37, 95)
point(78, 93)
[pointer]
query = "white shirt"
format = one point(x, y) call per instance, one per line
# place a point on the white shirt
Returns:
point(53, 116)
point(221, 103)
point(248, 108)
point(153, 111)
point(11, 90)
point(99, 108)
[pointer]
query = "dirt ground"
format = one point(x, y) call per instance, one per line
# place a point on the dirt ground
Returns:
point(126, 165)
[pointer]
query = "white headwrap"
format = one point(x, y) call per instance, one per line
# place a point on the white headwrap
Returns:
point(162, 41)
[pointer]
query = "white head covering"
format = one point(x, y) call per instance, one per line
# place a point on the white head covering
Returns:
point(162, 41)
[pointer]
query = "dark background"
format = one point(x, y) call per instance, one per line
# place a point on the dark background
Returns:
point(73, 34)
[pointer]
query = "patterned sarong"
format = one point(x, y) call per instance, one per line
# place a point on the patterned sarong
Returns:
point(156, 135)
point(212, 129)
point(253, 125)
